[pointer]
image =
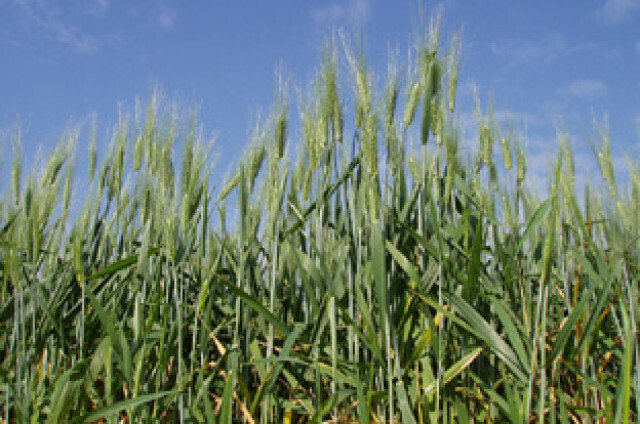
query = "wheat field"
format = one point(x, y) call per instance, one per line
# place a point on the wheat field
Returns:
point(340, 274)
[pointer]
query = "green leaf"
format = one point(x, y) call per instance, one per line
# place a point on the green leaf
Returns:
point(325, 196)
point(533, 222)
point(476, 325)
point(484, 330)
point(333, 401)
point(120, 265)
point(404, 263)
point(256, 305)
point(274, 370)
point(65, 391)
point(114, 409)
point(506, 318)
point(473, 273)
point(625, 382)
point(403, 401)
point(226, 409)
point(363, 406)
point(378, 267)
point(569, 325)
point(455, 369)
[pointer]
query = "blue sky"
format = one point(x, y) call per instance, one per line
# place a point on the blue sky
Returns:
point(544, 64)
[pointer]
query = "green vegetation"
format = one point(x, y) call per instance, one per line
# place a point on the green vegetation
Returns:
point(436, 288)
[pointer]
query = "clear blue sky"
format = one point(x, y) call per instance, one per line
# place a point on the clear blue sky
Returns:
point(544, 63)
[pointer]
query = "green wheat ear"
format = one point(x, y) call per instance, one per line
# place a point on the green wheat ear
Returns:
point(505, 145)
point(93, 148)
point(16, 169)
point(453, 68)
point(412, 104)
point(280, 133)
point(521, 165)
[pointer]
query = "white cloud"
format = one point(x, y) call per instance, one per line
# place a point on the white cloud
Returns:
point(585, 88)
point(502, 117)
point(541, 158)
point(545, 49)
point(357, 11)
point(617, 11)
point(505, 120)
point(166, 17)
point(99, 7)
point(638, 46)
point(43, 19)
point(507, 117)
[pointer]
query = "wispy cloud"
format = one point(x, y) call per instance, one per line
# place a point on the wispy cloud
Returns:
point(585, 88)
point(545, 49)
point(98, 7)
point(638, 46)
point(503, 118)
point(52, 21)
point(541, 158)
point(157, 14)
point(43, 19)
point(618, 11)
point(166, 17)
point(348, 11)
point(507, 117)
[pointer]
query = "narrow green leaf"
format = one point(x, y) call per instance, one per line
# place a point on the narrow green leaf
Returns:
point(403, 401)
point(378, 267)
point(120, 265)
point(456, 369)
point(256, 305)
point(116, 408)
point(404, 263)
point(533, 222)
